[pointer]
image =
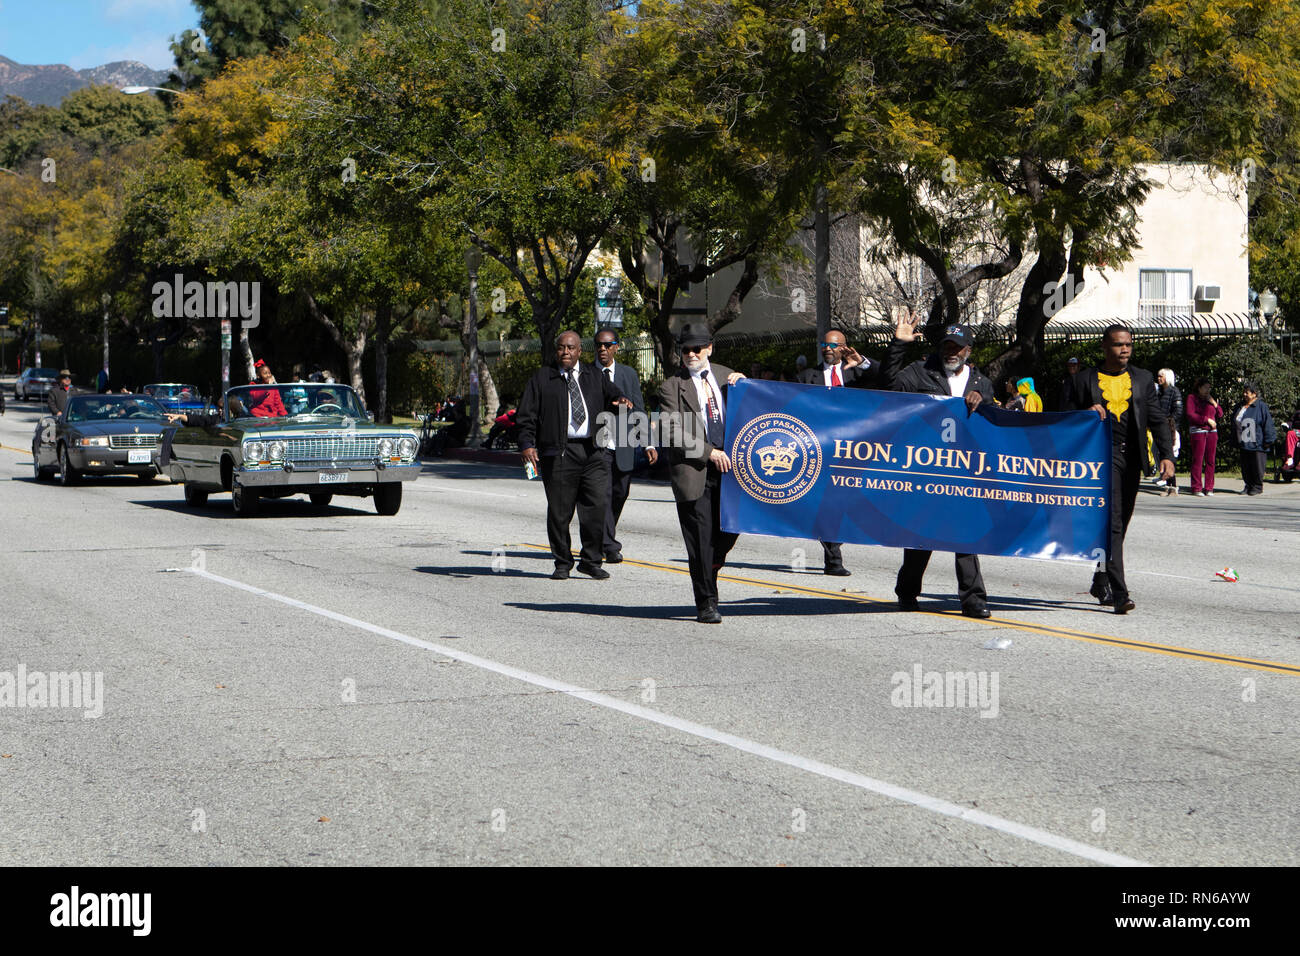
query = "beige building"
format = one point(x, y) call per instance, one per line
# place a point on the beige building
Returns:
point(1191, 258)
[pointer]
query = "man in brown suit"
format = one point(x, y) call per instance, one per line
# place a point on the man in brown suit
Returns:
point(692, 429)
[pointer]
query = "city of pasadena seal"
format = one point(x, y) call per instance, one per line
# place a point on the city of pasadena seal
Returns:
point(776, 458)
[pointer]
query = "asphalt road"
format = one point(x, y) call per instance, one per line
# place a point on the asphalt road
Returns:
point(341, 688)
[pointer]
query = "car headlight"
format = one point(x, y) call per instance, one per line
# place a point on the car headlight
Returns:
point(98, 440)
point(275, 450)
point(406, 447)
point(385, 448)
point(254, 451)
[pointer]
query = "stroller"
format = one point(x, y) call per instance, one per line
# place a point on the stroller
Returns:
point(504, 430)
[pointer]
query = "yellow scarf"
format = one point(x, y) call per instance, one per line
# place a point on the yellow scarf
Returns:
point(1117, 390)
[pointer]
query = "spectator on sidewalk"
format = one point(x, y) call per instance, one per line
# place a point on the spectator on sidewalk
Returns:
point(1203, 414)
point(1255, 432)
point(1171, 401)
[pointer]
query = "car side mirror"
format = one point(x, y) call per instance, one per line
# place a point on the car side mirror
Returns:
point(370, 415)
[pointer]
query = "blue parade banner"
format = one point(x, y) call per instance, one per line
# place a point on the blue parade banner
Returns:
point(915, 471)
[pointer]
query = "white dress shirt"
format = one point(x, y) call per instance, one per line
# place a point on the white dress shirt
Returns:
point(585, 430)
point(700, 378)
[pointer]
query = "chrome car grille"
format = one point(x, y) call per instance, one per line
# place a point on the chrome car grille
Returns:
point(134, 441)
point(330, 449)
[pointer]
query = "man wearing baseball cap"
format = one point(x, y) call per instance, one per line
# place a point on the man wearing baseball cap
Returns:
point(1067, 385)
point(693, 424)
point(943, 372)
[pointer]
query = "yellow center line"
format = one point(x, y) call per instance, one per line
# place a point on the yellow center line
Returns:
point(21, 451)
point(1108, 640)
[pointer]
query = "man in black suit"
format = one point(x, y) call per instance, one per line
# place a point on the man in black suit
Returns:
point(692, 432)
point(1124, 395)
point(840, 366)
point(557, 435)
point(622, 455)
point(945, 372)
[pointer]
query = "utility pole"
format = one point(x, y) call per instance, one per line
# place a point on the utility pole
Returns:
point(472, 259)
point(106, 299)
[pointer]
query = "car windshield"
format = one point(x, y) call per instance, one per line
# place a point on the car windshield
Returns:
point(108, 408)
point(171, 391)
point(43, 373)
point(296, 400)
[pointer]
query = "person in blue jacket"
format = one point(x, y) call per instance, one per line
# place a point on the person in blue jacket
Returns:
point(1255, 433)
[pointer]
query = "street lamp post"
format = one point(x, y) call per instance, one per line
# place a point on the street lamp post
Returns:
point(133, 90)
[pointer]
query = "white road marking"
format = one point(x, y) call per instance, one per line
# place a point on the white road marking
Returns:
point(913, 797)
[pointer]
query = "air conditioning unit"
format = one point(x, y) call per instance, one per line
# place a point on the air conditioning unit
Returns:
point(1208, 293)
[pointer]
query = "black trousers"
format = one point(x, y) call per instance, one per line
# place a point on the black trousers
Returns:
point(577, 479)
point(970, 583)
point(1124, 481)
point(831, 555)
point(707, 545)
point(1253, 467)
point(620, 484)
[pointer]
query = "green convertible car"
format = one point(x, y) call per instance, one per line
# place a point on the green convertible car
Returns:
point(272, 441)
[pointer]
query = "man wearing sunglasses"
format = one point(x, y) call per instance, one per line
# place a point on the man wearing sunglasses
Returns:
point(840, 366)
point(622, 456)
point(692, 432)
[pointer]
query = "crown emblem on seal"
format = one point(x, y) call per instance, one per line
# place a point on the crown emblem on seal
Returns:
point(777, 457)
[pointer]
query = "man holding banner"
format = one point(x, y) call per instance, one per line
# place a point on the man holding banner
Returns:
point(840, 366)
point(945, 372)
point(692, 430)
point(1124, 395)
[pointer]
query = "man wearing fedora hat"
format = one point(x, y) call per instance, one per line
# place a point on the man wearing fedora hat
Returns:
point(692, 432)
point(944, 372)
point(57, 399)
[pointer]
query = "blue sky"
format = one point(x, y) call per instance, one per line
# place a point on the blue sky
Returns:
point(83, 33)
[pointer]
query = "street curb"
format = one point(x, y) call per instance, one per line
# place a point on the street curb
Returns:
point(485, 456)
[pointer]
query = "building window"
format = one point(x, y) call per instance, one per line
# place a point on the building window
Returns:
point(1164, 292)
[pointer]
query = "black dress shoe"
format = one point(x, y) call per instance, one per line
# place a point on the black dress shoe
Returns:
point(560, 574)
point(840, 572)
point(614, 557)
point(709, 614)
point(976, 610)
point(1101, 590)
point(595, 570)
point(1123, 607)
point(908, 604)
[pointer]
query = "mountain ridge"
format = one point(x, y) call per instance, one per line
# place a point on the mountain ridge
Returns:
point(47, 84)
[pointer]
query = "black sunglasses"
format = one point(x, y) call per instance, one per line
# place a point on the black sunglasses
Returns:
point(607, 345)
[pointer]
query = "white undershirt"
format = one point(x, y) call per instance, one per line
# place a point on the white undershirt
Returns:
point(957, 381)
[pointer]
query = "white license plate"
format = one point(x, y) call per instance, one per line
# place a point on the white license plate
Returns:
point(333, 477)
point(138, 456)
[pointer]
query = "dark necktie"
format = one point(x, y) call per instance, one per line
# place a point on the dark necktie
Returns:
point(579, 413)
point(716, 431)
